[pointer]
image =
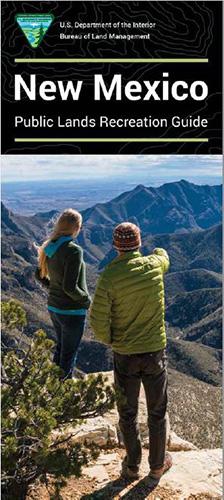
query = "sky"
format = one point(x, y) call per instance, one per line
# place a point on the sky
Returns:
point(135, 168)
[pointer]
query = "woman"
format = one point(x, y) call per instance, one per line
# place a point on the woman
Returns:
point(62, 269)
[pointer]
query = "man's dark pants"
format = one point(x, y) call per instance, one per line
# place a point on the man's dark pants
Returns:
point(129, 372)
point(69, 330)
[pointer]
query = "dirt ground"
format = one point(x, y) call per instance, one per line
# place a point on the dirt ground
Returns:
point(116, 488)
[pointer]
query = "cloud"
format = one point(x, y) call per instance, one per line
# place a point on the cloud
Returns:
point(52, 167)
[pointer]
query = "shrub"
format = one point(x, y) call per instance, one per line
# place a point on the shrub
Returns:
point(36, 402)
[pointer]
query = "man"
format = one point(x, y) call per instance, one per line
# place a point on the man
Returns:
point(128, 314)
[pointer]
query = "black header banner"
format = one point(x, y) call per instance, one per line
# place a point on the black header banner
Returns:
point(111, 77)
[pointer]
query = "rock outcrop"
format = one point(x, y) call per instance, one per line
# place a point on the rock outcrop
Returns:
point(195, 474)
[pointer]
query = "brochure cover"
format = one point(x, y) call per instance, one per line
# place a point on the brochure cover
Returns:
point(111, 160)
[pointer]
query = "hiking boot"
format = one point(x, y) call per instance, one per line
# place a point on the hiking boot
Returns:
point(158, 473)
point(129, 473)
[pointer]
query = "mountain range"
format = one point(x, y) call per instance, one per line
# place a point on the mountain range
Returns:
point(173, 208)
point(182, 217)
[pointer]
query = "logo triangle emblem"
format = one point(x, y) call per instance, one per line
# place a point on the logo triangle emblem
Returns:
point(34, 26)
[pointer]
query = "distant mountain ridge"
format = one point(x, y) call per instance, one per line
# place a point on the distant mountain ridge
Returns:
point(165, 209)
point(176, 207)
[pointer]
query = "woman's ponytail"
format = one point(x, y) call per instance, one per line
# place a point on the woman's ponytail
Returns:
point(68, 223)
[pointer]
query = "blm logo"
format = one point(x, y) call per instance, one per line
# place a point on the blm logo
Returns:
point(34, 26)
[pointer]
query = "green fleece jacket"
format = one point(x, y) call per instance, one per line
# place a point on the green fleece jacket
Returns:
point(67, 275)
point(128, 307)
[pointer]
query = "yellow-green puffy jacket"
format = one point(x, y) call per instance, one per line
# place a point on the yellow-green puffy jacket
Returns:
point(128, 307)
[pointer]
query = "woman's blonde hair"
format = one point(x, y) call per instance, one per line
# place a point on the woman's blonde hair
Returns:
point(68, 223)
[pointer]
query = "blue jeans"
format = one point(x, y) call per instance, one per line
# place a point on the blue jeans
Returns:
point(69, 331)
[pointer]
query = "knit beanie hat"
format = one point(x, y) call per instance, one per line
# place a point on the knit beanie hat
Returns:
point(126, 237)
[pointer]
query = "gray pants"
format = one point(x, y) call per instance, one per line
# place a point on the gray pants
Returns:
point(129, 372)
